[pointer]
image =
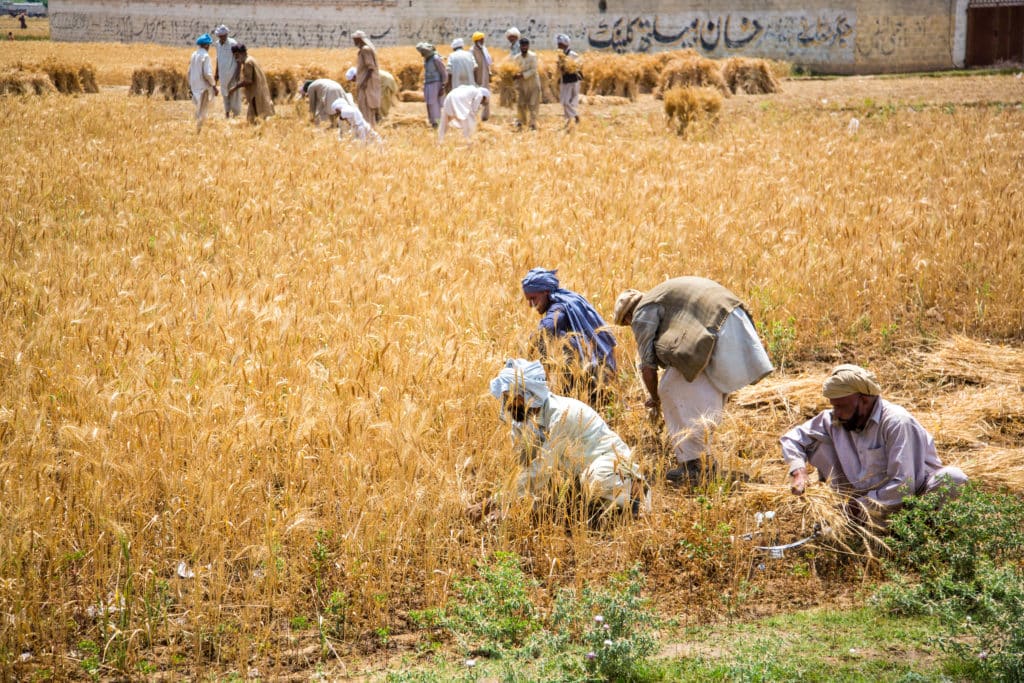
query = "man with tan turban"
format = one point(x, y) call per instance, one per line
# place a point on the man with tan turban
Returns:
point(704, 338)
point(367, 78)
point(866, 447)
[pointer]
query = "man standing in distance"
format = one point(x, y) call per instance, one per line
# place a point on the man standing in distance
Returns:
point(367, 78)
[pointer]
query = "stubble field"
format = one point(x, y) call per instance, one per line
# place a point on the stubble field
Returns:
point(244, 373)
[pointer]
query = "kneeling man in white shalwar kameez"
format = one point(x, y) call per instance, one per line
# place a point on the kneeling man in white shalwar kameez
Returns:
point(460, 109)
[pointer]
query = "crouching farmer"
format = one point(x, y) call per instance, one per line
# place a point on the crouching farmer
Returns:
point(563, 444)
point(866, 447)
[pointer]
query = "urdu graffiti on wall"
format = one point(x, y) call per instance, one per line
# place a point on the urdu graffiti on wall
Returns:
point(789, 34)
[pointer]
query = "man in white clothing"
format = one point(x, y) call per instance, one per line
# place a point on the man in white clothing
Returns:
point(565, 447)
point(460, 109)
point(346, 109)
point(461, 65)
point(226, 72)
point(866, 447)
point(702, 334)
point(200, 79)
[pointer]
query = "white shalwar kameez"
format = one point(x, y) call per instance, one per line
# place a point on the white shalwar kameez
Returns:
point(227, 71)
point(568, 438)
point(345, 107)
point(460, 109)
point(200, 81)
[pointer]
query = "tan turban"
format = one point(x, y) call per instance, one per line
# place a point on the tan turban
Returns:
point(625, 305)
point(850, 379)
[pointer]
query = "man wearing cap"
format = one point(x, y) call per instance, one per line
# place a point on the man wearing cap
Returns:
point(226, 72)
point(367, 78)
point(482, 73)
point(346, 110)
point(512, 36)
point(253, 84)
point(200, 79)
point(435, 75)
point(565, 448)
point(321, 94)
point(527, 85)
point(703, 336)
point(460, 109)
point(570, 73)
point(461, 65)
point(388, 89)
point(569, 324)
point(866, 447)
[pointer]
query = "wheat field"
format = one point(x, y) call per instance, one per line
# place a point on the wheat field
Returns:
point(244, 374)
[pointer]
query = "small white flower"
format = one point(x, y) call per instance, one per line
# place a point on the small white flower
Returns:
point(591, 655)
point(599, 619)
point(853, 650)
point(607, 643)
point(470, 663)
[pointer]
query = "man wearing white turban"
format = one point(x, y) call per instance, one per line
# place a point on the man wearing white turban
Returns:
point(866, 447)
point(368, 91)
point(570, 73)
point(226, 72)
point(461, 65)
point(702, 335)
point(460, 109)
point(564, 443)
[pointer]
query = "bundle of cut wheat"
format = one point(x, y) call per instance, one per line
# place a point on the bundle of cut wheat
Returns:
point(172, 83)
point(283, 84)
point(143, 82)
point(19, 82)
point(751, 76)
point(504, 74)
point(685, 106)
point(610, 74)
point(408, 74)
point(692, 71)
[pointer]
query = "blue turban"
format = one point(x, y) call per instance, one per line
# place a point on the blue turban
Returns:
point(540, 280)
point(570, 315)
point(204, 40)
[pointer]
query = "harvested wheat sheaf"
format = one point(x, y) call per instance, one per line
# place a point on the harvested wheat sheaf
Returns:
point(504, 74)
point(283, 84)
point(692, 71)
point(685, 106)
point(750, 76)
point(411, 96)
point(168, 81)
point(25, 83)
point(611, 74)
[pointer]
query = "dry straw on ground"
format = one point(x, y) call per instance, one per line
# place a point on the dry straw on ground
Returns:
point(217, 356)
point(18, 82)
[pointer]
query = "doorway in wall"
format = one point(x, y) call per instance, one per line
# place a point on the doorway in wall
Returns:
point(995, 33)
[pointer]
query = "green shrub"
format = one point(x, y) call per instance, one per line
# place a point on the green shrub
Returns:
point(964, 561)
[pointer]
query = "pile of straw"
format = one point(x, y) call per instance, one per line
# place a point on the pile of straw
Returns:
point(549, 82)
point(408, 74)
point(692, 71)
point(168, 81)
point(611, 74)
point(283, 84)
point(751, 76)
point(17, 82)
point(71, 78)
point(410, 96)
point(651, 66)
point(685, 106)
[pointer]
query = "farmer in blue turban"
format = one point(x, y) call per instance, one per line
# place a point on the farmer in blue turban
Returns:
point(569, 322)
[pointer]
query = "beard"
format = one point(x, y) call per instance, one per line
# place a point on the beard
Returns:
point(855, 422)
point(518, 412)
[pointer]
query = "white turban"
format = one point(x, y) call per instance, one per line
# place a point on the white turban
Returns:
point(846, 380)
point(221, 30)
point(458, 43)
point(485, 92)
point(512, 32)
point(524, 378)
point(562, 39)
point(350, 75)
